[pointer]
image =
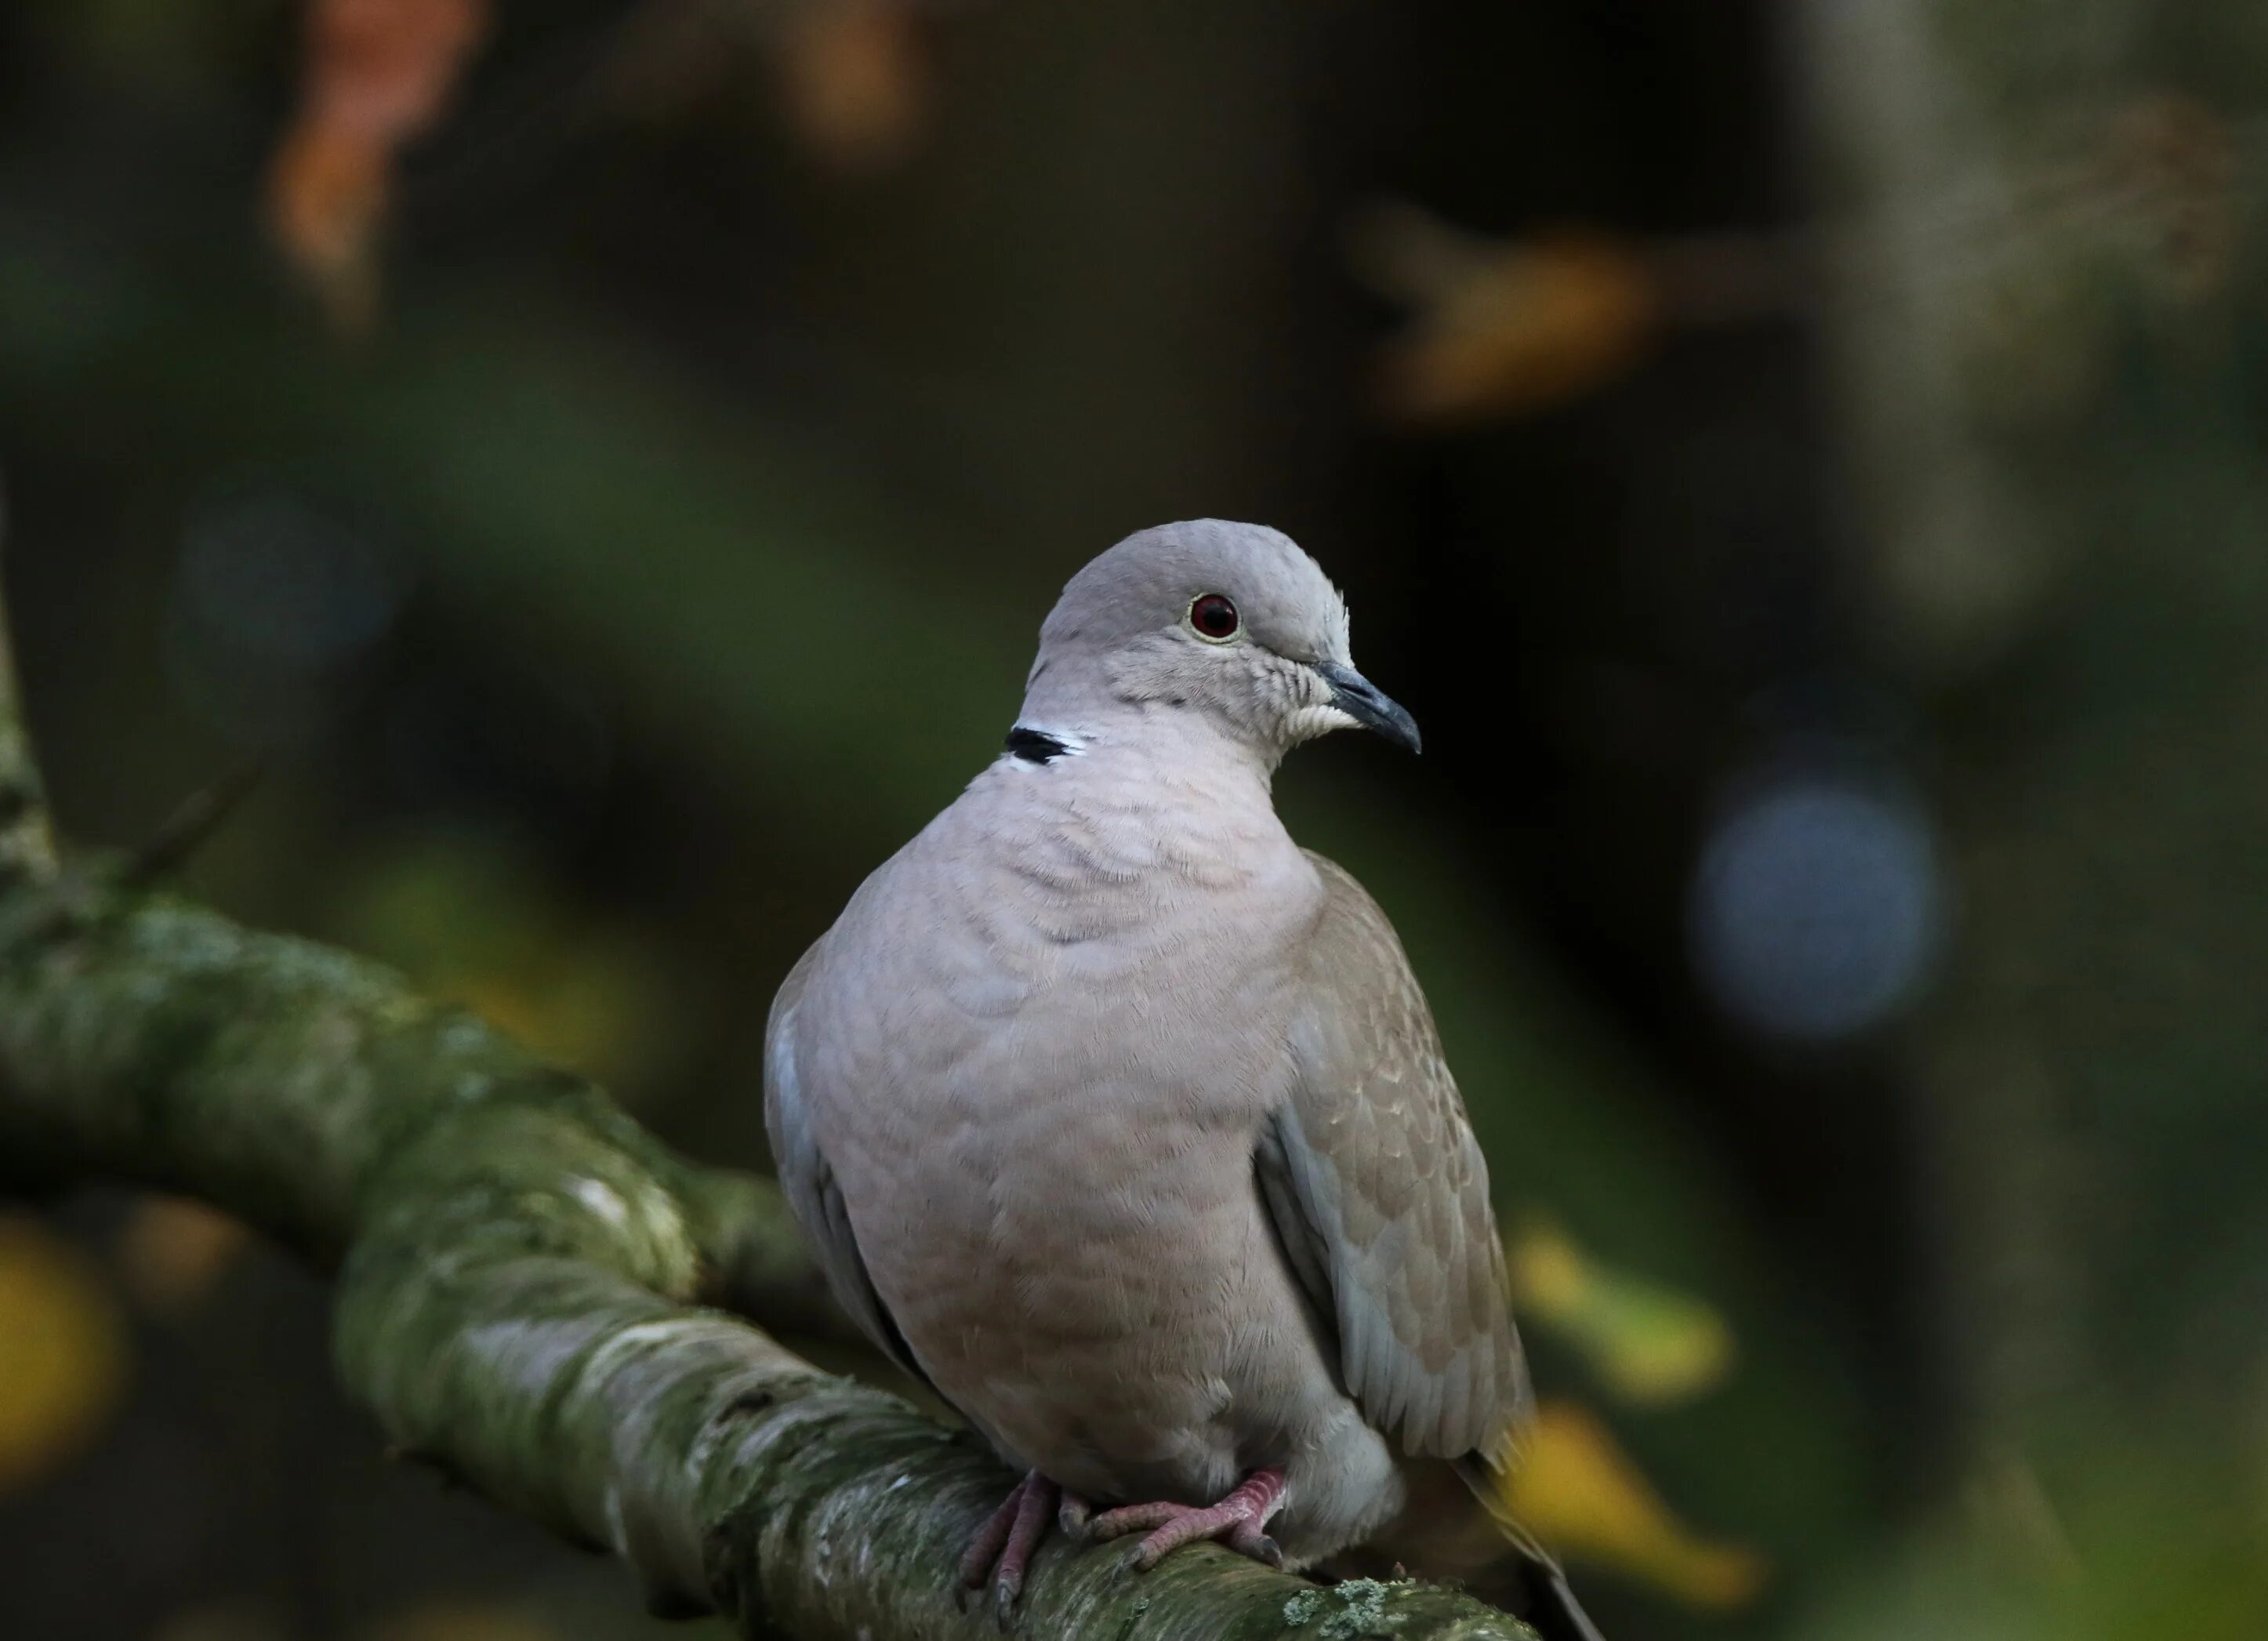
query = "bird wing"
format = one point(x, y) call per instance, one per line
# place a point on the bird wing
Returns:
point(1379, 1194)
point(808, 1182)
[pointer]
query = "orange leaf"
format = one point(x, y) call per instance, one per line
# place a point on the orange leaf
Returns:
point(854, 85)
point(327, 195)
point(1524, 326)
point(378, 74)
point(172, 1251)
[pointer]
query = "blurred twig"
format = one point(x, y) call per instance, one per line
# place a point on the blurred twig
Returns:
point(188, 828)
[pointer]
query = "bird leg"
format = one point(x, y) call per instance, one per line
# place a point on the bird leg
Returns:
point(1239, 1521)
point(1001, 1548)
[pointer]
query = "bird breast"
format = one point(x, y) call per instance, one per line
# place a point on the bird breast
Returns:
point(1054, 1041)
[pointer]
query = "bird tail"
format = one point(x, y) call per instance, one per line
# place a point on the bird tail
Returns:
point(1553, 1611)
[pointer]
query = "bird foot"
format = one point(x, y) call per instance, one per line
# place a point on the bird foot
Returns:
point(1239, 1521)
point(1002, 1549)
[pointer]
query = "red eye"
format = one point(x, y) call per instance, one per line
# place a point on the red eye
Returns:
point(1213, 616)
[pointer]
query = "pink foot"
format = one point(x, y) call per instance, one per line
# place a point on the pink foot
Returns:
point(1002, 1549)
point(1239, 1521)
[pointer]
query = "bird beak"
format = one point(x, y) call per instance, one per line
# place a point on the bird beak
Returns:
point(1369, 705)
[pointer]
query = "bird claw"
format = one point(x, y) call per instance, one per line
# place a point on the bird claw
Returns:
point(1239, 1521)
point(1073, 1516)
point(1249, 1538)
point(1000, 1551)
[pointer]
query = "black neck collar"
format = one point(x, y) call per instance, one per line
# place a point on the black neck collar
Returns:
point(1035, 746)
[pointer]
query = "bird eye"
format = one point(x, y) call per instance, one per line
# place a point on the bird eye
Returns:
point(1213, 617)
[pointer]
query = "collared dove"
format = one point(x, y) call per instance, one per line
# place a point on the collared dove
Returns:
point(1120, 1119)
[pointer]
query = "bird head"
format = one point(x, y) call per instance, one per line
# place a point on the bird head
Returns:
point(1231, 621)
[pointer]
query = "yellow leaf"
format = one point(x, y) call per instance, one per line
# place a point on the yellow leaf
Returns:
point(1577, 1491)
point(62, 1352)
point(1651, 1343)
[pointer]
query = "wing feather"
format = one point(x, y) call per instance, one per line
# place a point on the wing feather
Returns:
point(1380, 1196)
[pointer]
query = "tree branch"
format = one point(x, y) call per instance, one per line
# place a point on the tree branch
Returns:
point(521, 1268)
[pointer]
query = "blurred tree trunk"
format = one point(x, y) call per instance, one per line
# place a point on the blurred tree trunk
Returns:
point(519, 1269)
point(2050, 321)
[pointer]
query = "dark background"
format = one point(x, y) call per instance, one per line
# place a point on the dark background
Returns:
point(1800, 464)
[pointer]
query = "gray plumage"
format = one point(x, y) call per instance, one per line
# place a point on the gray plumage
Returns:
point(1120, 1118)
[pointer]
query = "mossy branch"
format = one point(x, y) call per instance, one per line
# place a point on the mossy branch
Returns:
point(521, 1272)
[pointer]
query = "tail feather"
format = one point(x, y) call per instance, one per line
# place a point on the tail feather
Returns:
point(1553, 1611)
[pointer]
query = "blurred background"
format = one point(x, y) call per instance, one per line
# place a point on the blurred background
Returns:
point(1799, 459)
